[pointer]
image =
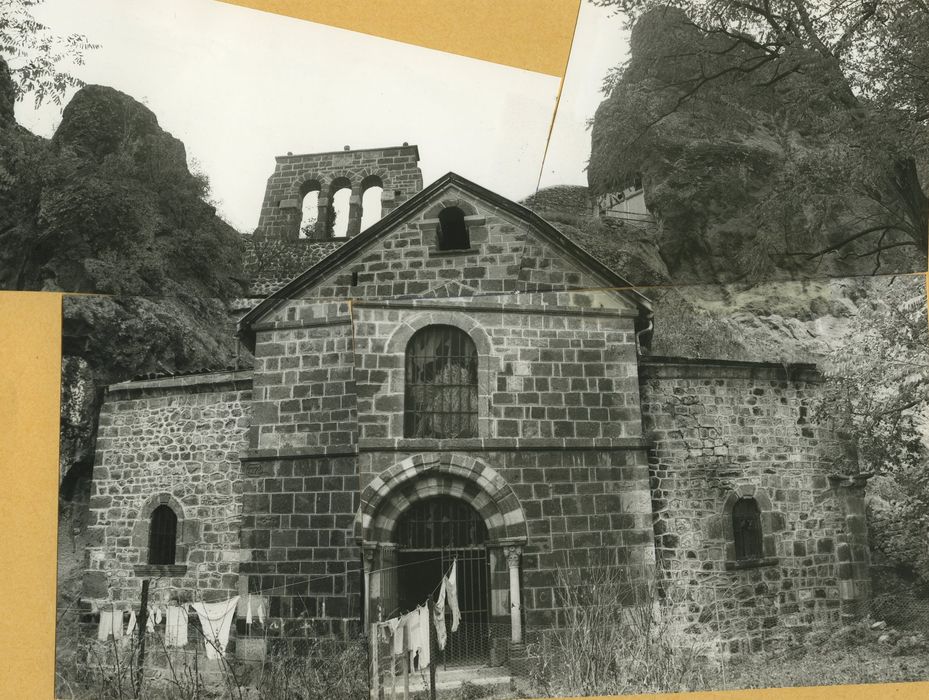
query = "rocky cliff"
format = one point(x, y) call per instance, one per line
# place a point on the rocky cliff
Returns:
point(754, 167)
point(109, 208)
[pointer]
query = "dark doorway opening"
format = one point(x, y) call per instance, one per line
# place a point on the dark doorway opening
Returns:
point(431, 535)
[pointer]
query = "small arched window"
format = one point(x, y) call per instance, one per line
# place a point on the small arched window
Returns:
point(162, 536)
point(441, 384)
point(746, 529)
point(452, 233)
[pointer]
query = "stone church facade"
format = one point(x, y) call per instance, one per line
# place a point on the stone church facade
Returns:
point(461, 382)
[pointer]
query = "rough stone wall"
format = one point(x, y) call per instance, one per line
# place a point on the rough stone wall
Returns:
point(506, 255)
point(559, 391)
point(270, 263)
point(545, 370)
point(395, 169)
point(304, 396)
point(297, 543)
point(586, 503)
point(174, 441)
point(724, 428)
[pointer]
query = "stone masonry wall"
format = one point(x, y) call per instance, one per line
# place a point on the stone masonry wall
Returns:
point(544, 371)
point(297, 543)
point(395, 169)
point(174, 441)
point(506, 255)
point(723, 430)
point(585, 503)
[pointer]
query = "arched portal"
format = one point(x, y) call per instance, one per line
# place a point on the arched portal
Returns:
point(437, 507)
point(431, 535)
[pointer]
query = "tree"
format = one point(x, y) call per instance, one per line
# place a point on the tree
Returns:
point(36, 54)
point(877, 385)
point(848, 77)
point(877, 389)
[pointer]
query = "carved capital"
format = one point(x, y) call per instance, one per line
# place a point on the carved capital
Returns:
point(513, 554)
point(368, 551)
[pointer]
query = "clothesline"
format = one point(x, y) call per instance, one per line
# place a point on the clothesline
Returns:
point(410, 633)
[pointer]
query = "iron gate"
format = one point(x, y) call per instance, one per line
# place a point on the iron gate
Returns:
point(431, 535)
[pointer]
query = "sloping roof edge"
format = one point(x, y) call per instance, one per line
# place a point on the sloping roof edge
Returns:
point(376, 230)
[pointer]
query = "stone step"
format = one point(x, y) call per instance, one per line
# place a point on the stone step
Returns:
point(453, 677)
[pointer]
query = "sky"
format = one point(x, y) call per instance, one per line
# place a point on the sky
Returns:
point(238, 87)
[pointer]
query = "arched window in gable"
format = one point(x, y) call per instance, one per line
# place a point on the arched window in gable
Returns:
point(441, 384)
point(746, 529)
point(452, 233)
point(162, 536)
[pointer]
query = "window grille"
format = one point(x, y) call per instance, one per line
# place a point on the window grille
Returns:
point(441, 384)
point(441, 523)
point(162, 536)
point(746, 528)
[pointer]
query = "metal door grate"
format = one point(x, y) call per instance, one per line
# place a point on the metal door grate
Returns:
point(432, 534)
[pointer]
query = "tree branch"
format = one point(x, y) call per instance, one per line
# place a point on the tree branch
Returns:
point(843, 42)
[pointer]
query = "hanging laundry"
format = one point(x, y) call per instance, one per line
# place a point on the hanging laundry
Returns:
point(176, 626)
point(396, 631)
point(451, 590)
point(417, 631)
point(130, 626)
point(255, 603)
point(438, 616)
point(111, 625)
point(215, 621)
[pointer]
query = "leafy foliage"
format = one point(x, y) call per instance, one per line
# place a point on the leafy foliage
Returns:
point(764, 135)
point(36, 54)
point(878, 384)
point(877, 390)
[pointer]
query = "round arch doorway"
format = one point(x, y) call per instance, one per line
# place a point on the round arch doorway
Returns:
point(430, 535)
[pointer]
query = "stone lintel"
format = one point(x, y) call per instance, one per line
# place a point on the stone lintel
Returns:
point(264, 454)
point(497, 307)
point(491, 444)
point(690, 368)
point(305, 323)
point(207, 381)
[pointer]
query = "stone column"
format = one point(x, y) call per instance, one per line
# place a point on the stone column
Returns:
point(852, 549)
point(322, 218)
point(513, 554)
point(368, 561)
point(354, 212)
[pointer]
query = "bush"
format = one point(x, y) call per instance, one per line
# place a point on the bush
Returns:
point(618, 636)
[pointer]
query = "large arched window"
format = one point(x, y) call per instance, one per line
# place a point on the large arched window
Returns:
point(162, 536)
point(441, 384)
point(746, 529)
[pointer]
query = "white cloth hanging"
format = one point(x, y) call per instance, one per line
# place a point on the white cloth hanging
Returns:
point(256, 603)
point(417, 631)
point(176, 626)
point(451, 591)
point(215, 621)
point(438, 616)
point(111, 625)
point(130, 626)
point(396, 631)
